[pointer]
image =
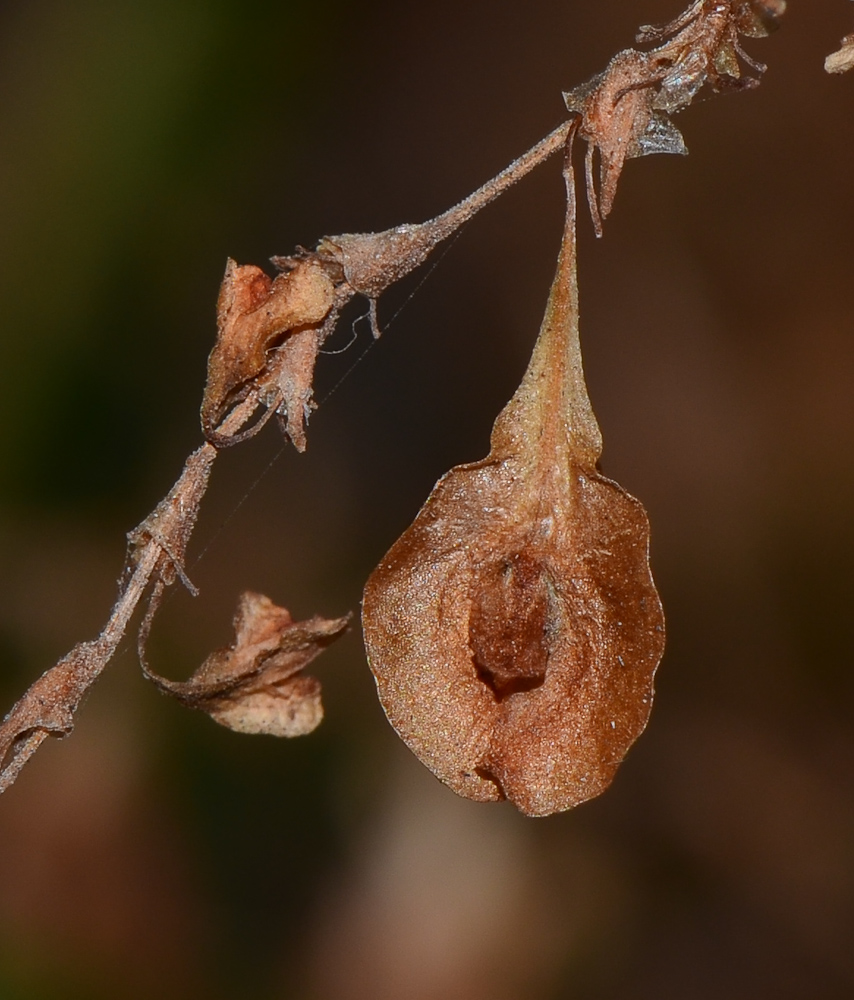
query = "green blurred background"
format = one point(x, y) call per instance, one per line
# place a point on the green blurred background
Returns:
point(153, 853)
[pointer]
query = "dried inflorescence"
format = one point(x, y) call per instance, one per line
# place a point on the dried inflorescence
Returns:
point(257, 684)
point(539, 583)
point(625, 111)
point(514, 628)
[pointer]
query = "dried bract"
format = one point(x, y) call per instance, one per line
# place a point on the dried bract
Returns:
point(257, 684)
point(514, 629)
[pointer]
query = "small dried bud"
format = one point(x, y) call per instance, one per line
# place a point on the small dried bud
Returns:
point(514, 629)
point(372, 262)
point(257, 684)
point(171, 523)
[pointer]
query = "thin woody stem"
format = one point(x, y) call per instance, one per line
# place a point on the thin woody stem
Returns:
point(48, 706)
point(371, 262)
point(448, 221)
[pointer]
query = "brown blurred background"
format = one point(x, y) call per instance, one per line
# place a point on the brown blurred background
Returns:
point(144, 141)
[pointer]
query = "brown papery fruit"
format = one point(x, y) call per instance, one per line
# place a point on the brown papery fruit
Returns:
point(514, 629)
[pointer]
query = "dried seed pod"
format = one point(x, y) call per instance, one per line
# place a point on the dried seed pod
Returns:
point(514, 629)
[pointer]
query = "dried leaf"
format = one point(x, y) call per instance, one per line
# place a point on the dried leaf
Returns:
point(254, 312)
point(257, 685)
point(514, 629)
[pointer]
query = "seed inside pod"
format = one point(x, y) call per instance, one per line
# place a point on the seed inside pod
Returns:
point(514, 629)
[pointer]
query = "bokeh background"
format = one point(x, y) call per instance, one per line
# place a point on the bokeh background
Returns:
point(142, 142)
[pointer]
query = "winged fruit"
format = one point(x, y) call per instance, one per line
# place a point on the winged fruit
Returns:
point(514, 629)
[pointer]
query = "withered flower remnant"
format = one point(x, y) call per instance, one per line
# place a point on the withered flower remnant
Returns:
point(624, 112)
point(702, 46)
point(514, 629)
point(257, 684)
point(616, 116)
point(254, 312)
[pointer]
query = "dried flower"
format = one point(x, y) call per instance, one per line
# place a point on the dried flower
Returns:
point(514, 629)
point(257, 684)
point(617, 117)
point(624, 112)
point(254, 314)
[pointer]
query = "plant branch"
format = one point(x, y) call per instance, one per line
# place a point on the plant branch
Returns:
point(270, 330)
point(158, 546)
